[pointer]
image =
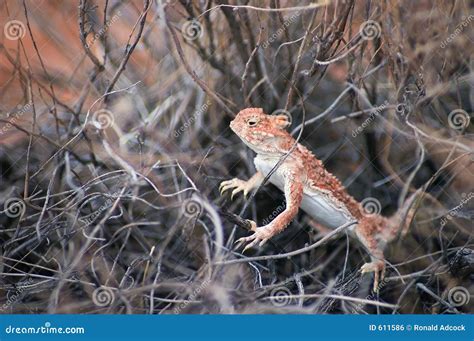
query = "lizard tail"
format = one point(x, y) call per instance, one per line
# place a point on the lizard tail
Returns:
point(400, 222)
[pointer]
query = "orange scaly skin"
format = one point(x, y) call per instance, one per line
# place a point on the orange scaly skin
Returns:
point(306, 184)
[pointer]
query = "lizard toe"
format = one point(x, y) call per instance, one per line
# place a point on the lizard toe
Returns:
point(251, 244)
point(260, 237)
point(238, 184)
point(378, 268)
point(235, 191)
point(243, 240)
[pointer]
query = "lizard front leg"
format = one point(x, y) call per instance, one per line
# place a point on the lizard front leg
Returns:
point(241, 185)
point(293, 196)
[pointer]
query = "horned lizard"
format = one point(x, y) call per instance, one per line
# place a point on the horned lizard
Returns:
point(308, 185)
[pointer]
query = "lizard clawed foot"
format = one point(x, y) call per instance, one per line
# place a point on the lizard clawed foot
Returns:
point(238, 186)
point(260, 237)
point(378, 268)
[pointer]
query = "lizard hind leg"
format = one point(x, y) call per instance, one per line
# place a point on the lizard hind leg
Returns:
point(367, 235)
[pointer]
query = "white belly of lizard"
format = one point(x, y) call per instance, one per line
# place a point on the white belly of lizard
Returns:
point(317, 204)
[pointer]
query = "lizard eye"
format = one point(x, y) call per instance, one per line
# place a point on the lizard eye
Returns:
point(252, 122)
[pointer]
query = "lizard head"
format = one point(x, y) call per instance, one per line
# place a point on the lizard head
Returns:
point(261, 132)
